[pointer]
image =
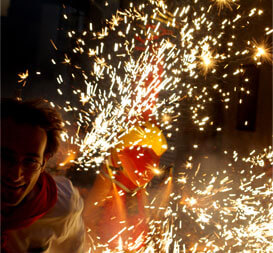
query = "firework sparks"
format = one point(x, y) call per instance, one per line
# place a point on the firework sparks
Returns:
point(221, 4)
point(151, 60)
point(262, 52)
point(23, 78)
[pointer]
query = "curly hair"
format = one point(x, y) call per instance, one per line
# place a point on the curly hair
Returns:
point(35, 113)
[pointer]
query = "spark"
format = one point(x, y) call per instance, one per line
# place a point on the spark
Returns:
point(221, 4)
point(23, 78)
point(262, 51)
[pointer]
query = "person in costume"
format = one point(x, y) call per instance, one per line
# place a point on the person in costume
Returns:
point(39, 213)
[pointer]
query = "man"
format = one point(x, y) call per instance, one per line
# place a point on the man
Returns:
point(39, 213)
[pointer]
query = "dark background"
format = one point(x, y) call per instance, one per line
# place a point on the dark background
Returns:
point(28, 26)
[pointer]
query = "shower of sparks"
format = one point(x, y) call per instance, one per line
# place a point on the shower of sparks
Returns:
point(148, 50)
point(143, 66)
point(229, 210)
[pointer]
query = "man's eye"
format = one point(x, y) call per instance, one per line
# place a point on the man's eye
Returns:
point(31, 164)
point(30, 161)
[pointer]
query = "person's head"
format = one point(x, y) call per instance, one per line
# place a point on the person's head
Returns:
point(30, 135)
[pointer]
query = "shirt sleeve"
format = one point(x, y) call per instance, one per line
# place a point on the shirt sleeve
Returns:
point(69, 228)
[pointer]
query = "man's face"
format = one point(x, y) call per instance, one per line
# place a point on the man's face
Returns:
point(22, 157)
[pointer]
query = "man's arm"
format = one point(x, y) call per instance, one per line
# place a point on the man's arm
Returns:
point(69, 227)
